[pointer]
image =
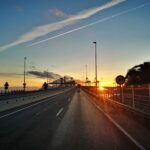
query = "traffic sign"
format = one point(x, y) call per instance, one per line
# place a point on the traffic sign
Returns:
point(120, 79)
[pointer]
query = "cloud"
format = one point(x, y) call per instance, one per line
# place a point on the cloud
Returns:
point(45, 74)
point(68, 79)
point(55, 78)
point(59, 13)
point(51, 27)
point(38, 74)
point(91, 24)
point(2, 74)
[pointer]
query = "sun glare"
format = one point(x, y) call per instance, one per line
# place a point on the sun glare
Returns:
point(101, 88)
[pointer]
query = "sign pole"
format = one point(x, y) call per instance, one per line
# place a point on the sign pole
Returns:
point(121, 80)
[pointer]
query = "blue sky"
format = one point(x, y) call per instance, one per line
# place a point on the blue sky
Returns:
point(123, 41)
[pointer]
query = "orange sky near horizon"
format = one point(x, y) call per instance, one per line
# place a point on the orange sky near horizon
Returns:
point(37, 82)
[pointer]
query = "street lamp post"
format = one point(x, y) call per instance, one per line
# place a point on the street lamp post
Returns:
point(24, 84)
point(86, 79)
point(95, 43)
point(47, 76)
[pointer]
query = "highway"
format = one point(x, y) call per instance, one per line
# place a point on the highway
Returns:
point(68, 121)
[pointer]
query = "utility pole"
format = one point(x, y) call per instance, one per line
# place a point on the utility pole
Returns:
point(86, 76)
point(24, 84)
point(86, 73)
point(47, 76)
point(95, 43)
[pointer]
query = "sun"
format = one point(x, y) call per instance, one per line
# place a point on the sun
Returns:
point(101, 88)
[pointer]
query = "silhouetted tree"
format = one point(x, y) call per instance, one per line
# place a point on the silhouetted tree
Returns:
point(6, 86)
point(139, 74)
point(45, 86)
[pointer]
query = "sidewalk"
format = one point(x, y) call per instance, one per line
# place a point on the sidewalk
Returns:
point(132, 126)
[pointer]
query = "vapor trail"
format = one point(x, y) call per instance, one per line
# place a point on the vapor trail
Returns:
point(45, 29)
point(91, 24)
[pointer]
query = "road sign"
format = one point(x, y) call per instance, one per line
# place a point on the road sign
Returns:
point(120, 79)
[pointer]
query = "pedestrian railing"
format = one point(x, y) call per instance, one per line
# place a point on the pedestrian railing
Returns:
point(137, 97)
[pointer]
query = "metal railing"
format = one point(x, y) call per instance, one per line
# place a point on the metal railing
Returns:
point(137, 97)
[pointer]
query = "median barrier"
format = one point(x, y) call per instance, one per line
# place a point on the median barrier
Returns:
point(16, 102)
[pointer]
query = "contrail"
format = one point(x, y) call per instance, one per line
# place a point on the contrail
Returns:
point(91, 24)
point(51, 27)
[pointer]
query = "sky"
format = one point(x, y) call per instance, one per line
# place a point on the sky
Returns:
point(58, 36)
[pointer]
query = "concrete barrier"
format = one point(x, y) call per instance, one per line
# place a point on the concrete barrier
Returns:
point(16, 102)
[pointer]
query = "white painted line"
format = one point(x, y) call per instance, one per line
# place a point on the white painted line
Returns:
point(120, 128)
point(14, 112)
point(59, 112)
point(51, 97)
point(38, 113)
point(45, 109)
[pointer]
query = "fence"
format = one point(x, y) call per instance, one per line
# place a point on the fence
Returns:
point(137, 97)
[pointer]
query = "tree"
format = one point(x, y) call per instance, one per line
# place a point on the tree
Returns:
point(6, 86)
point(45, 86)
point(139, 74)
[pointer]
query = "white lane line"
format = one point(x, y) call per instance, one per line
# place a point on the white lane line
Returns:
point(59, 112)
point(51, 97)
point(6, 115)
point(38, 113)
point(120, 128)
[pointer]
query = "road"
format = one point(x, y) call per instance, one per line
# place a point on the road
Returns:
point(68, 121)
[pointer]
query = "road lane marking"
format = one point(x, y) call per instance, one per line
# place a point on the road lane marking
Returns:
point(59, 112)
point(38, 113)
point(9, 114)
point(45, 109)
point(31, 105)
point(120, 128)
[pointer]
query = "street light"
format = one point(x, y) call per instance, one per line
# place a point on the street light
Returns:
point(47, 76)
point(24, 84)
point(95, 43)
point(86, 79)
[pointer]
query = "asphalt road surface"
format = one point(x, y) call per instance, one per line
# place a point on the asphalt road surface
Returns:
point(68, 121)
